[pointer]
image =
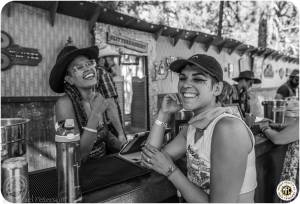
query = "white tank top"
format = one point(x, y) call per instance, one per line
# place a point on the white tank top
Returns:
point(198, 158)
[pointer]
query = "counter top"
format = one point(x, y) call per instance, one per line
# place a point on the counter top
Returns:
point(152, 187)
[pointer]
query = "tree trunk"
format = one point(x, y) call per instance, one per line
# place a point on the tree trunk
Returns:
point(262, 32)
point(221, 9)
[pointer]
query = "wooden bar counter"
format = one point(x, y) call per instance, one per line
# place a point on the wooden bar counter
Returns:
point(152, 187)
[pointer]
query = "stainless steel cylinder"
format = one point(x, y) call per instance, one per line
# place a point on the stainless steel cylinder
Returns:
point(275, 110)
point(14, 180)
point(68, 164)
point(14, 134)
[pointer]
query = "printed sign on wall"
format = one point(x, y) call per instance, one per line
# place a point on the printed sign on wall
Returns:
point(126, 42)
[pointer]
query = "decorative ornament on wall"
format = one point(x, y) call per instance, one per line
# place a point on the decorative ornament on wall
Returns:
point(281, 73)
point(13, 54)
point(162, 69)
point(287, 72)
point(269, 71)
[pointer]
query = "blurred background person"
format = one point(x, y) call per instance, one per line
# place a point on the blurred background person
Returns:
point(106, 86)
point(290, 88)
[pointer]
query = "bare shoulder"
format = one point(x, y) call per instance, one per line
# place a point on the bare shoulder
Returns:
point(63, 100)
point(229, 129)
point(64, 108)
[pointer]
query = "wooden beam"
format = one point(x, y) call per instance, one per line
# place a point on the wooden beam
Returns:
point(268, 54)
point(192, 42)
point(94, 18)
point(158, 32)
point(237, 45)
point(177, 37)
point(208, 43)
point(278, 57)
point(52, 13)
point(129, 22)
point(221, 45)
point(290, 59)
point(243, 51)
point(274, 55)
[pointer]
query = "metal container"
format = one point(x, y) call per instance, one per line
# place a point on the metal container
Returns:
point(14, 180)
point(275, 110)
point(181, 119)
point(68, 164)
point(14, 133)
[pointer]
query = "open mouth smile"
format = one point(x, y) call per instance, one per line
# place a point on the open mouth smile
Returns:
point(89, 75)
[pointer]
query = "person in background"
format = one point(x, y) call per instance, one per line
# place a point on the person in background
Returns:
point(240, 93)
point(290, 136)
point(289, 88)
point(107, 88)
point(74, 74)
point(218, 145)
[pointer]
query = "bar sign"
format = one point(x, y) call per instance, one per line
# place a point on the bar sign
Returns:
point(126, 42)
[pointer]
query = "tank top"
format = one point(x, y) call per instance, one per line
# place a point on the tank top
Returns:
point(198, 158)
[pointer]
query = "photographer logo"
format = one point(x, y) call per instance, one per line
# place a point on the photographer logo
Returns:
point(286, 190)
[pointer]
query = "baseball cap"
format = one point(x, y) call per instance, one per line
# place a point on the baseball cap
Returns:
point(207, 64)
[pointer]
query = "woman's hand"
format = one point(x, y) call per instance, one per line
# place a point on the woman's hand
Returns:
point(170, 104)
point(99, 104)
point(154, 159)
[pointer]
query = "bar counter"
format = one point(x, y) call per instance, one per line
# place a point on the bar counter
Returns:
point(152, 187)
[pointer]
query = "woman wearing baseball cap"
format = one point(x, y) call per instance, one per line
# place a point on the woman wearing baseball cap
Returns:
point(74, 74)
point(218, 145)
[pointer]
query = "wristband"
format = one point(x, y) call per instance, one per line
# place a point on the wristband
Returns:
point(171, 170)
point(90, 129)
point(161, 124)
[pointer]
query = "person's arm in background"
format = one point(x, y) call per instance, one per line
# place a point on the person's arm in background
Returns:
point(113, 115)
point(285, 136)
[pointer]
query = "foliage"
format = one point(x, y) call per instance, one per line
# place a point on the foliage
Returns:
point(240, 19)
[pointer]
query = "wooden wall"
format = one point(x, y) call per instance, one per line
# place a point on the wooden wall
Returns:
point(30, 27)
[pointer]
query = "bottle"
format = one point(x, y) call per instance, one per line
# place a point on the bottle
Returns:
point(68, 162)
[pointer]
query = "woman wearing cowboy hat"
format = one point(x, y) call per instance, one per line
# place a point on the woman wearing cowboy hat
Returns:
point(74, 74)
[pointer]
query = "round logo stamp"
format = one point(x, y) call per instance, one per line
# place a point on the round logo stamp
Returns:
point(15, 188)
point(286, 190)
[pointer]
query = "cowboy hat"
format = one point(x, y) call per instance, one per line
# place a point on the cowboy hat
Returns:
point(107, 50)
point(247, 75)
point(64, 58)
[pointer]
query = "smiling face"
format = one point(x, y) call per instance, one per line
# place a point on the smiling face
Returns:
point(197, 90)
point(82, 72)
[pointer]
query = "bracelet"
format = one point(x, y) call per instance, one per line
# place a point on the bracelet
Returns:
point(171, 170)
point(161, 124)
point(90, 129)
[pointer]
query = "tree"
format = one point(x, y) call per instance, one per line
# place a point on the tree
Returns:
point(242, 20)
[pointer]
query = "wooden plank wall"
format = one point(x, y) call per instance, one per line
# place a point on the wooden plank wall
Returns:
point(30, 27)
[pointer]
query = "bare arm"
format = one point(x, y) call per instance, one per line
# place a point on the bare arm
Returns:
point(64, 110)
point(285, 136)
point(170, 105)
point(230, 146)
point(113, 115)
